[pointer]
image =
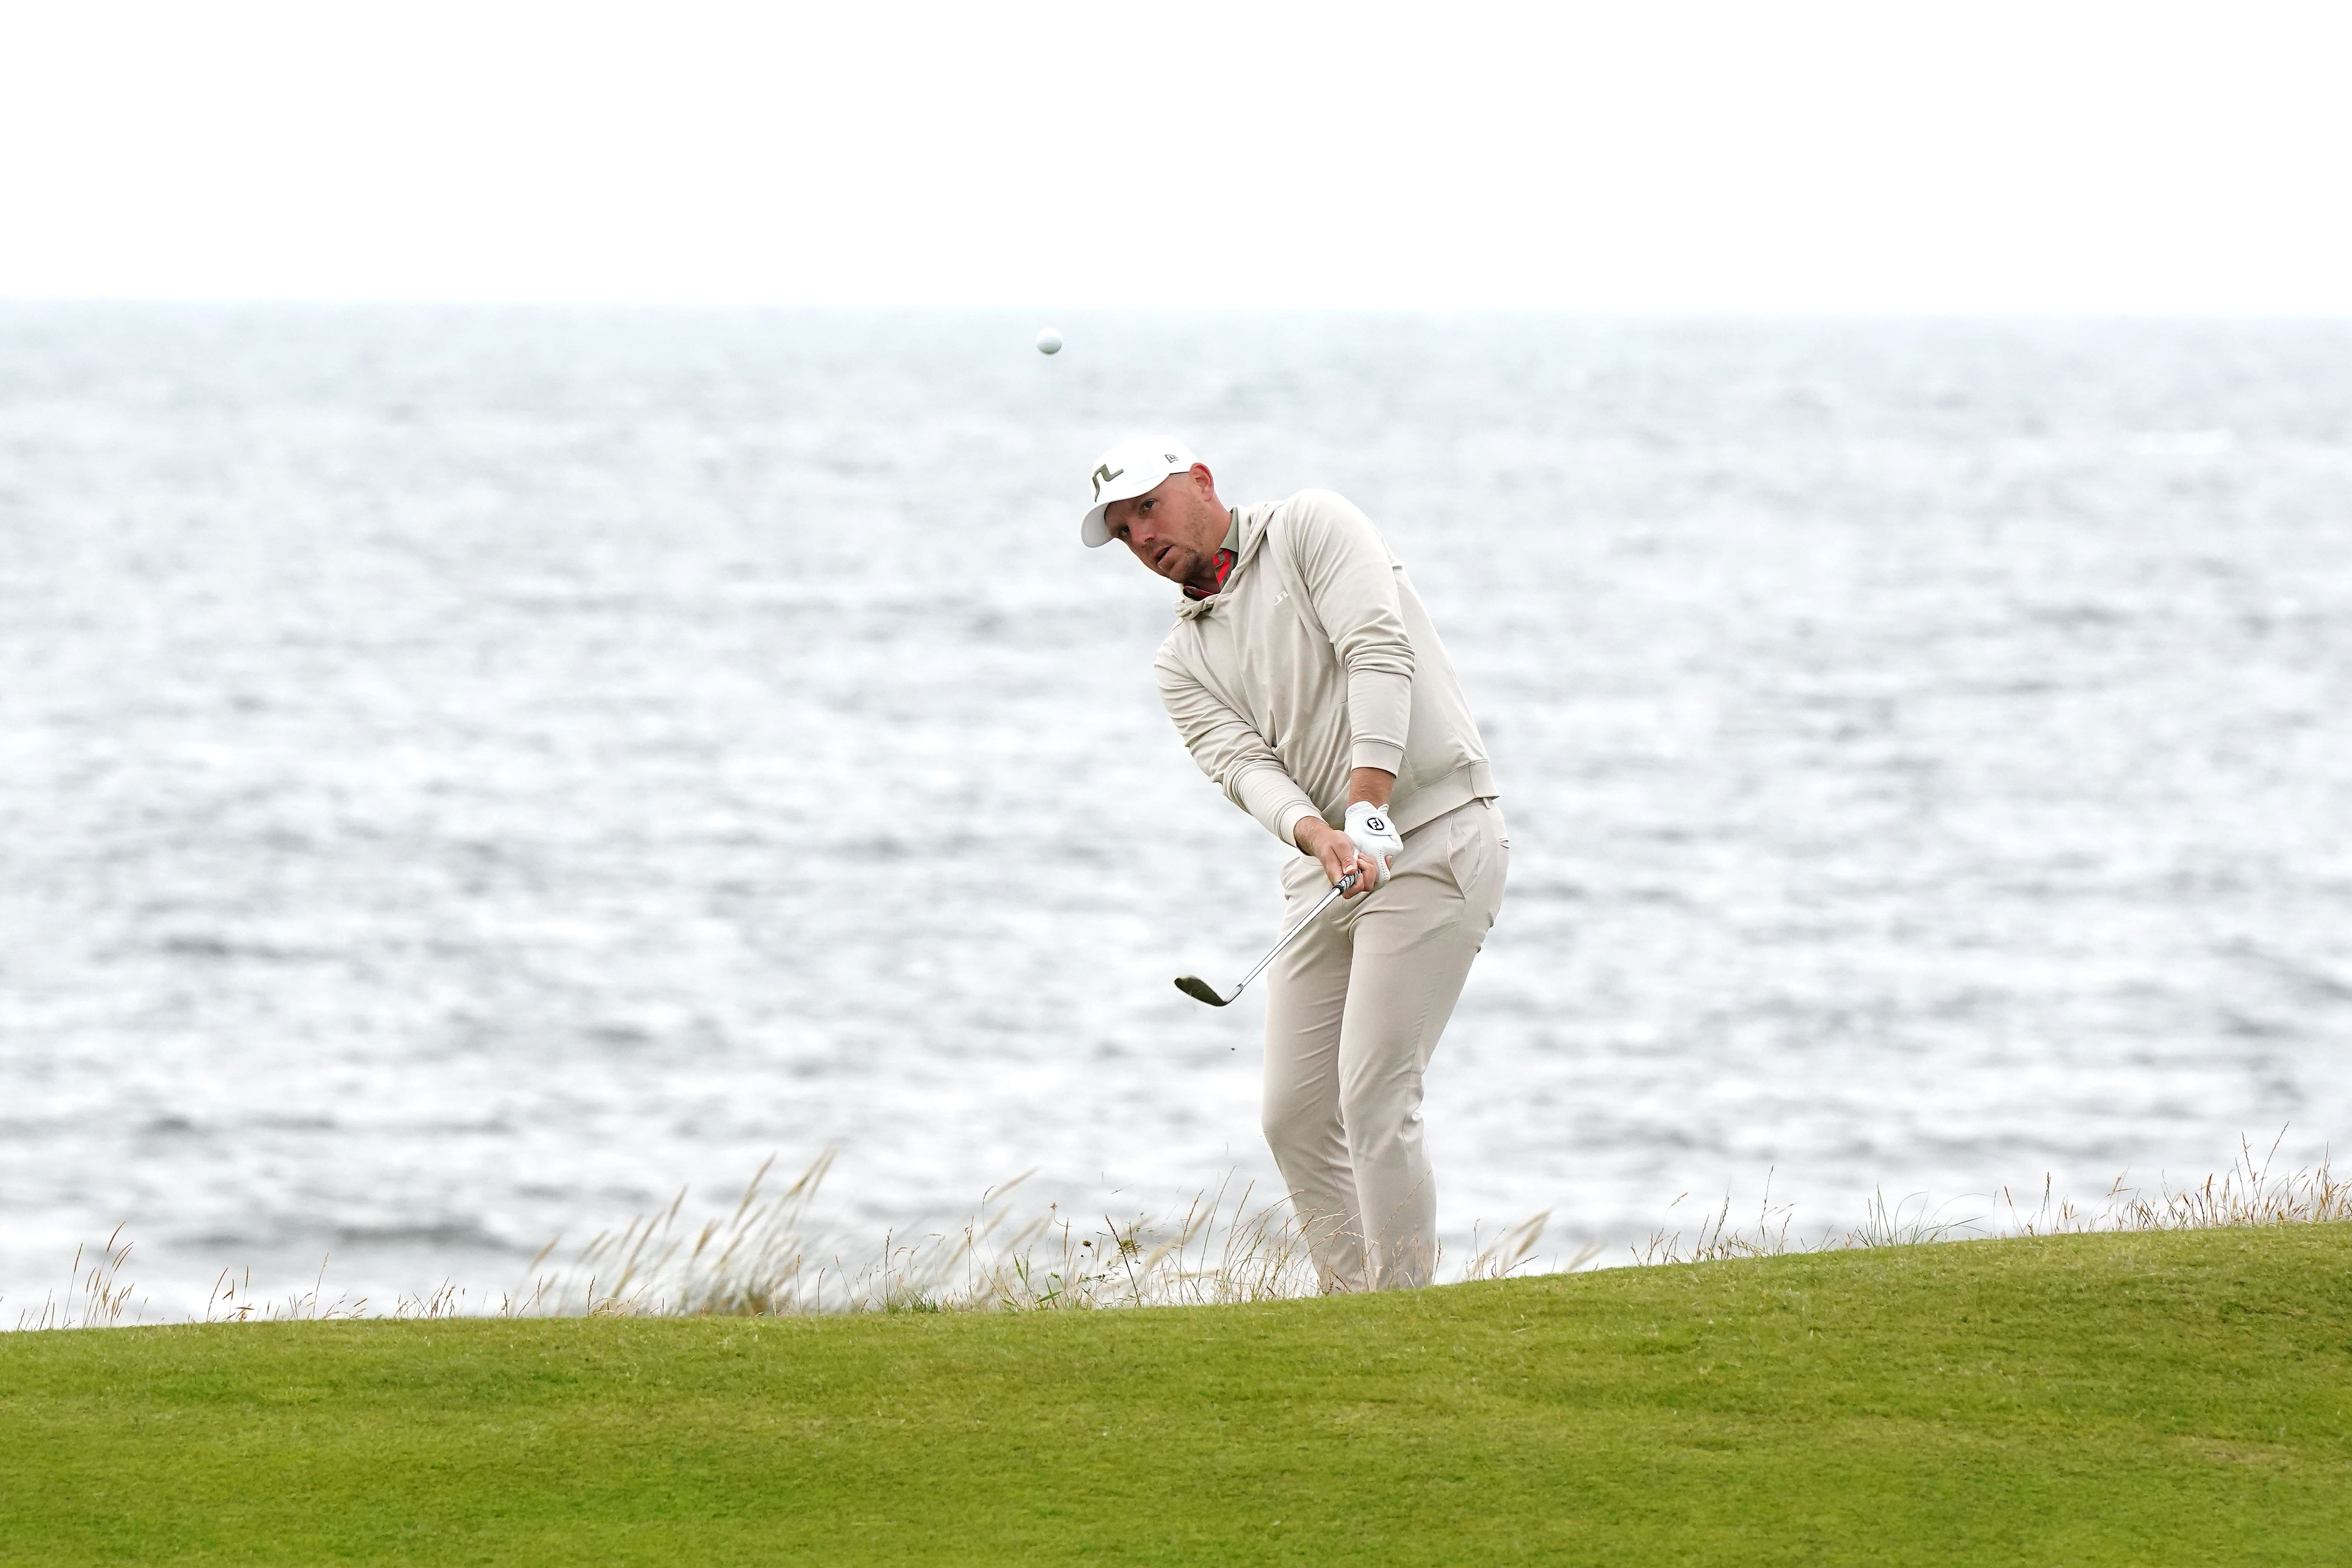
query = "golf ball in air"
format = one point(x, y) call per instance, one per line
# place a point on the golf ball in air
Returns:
point(1049, 342)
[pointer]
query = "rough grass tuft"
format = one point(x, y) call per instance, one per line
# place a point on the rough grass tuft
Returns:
point(771, 1257)
point(2249, 1194)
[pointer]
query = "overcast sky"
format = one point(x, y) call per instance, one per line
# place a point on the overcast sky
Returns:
point(1984, 156)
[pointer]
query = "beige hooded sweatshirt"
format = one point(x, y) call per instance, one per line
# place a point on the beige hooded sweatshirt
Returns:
point(1315, 658)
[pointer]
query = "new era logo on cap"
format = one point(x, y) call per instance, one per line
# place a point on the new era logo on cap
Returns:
point(1133, 468)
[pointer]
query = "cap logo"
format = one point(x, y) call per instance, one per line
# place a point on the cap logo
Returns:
point(1103, 476)
point(1167, 457)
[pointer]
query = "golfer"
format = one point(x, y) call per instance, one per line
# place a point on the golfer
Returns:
point(1307, 680)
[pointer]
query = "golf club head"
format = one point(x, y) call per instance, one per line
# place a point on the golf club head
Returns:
point(1199, 990)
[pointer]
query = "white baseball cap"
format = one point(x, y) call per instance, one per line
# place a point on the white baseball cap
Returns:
point(1133, 468)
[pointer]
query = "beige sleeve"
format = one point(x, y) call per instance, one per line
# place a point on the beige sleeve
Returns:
point(1351, 583)
point(1235, 755)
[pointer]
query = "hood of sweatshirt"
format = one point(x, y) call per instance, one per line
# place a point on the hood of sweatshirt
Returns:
point(1251, 521)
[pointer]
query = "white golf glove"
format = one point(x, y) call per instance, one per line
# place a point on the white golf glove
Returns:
point(1375, 837)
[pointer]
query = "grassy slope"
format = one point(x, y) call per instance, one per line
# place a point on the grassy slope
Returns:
point(2158, 1398)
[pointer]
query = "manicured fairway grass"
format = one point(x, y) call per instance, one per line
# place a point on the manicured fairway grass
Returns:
point(2172, 1398)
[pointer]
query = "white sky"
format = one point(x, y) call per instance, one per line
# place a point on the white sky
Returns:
point(1981, 156)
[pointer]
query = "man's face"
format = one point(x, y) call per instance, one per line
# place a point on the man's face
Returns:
point(1176, 529)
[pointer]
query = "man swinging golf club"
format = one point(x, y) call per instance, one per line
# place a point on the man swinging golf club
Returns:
point(1308, 681)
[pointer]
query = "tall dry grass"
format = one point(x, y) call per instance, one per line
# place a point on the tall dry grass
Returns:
point(96, 1295)
point(769, 1256)
point(2251, 1193)
point(772, 1255)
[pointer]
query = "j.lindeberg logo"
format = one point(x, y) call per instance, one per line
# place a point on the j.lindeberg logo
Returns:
point(1103, 476)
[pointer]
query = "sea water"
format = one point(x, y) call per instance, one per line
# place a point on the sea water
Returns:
point(468, 774)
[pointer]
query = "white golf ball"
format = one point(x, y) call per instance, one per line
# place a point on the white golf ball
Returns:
point(1049, 342)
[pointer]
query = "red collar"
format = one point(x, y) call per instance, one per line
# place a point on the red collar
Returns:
point(1223, 562)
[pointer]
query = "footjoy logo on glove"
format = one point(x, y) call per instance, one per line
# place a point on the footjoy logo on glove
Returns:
point(1103, 476)
point(1374, 824)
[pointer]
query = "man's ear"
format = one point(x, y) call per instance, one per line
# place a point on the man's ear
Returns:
point(1205, 480)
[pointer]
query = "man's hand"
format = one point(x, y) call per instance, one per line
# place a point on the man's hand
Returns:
point(1341, 854)
point(1375, 837)
point(1337, 851)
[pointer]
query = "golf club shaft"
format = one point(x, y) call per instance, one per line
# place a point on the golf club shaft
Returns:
point(1339, 890)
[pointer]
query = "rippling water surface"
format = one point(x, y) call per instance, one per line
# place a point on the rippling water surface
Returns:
point(465, 775)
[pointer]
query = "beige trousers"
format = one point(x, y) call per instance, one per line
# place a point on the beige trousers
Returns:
point(1353, 1010)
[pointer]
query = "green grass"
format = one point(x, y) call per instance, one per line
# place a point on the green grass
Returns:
point(2154, 1398)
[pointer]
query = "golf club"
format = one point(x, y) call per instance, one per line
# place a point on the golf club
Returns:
point(1199, 990)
